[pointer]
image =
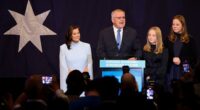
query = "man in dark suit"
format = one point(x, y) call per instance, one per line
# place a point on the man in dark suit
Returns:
point(118, 41)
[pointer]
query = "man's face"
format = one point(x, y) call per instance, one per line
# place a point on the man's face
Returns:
point(118, 19)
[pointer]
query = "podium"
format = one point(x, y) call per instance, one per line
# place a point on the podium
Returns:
point(114, 68)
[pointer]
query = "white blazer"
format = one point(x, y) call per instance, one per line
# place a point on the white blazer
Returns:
point(77, 57)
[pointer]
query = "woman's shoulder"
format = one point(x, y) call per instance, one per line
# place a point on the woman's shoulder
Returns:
point(165, 50)
point(84, 44)
point(63, 46)
point(192, 42)
point(192, 39)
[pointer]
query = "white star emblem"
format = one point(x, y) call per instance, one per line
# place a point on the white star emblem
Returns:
point(29, 27)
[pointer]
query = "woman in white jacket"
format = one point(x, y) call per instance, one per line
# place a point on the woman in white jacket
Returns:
point(74, 54)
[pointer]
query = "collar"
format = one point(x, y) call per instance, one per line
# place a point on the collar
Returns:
point(75, 43)
point(115, 29)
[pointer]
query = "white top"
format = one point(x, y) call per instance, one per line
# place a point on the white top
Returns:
point(77, 57)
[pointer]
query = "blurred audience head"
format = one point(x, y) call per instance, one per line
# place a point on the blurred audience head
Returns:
point(75, 83)
point(125, 69)
point(108, 87)
point(128, 83)
point(33, 86)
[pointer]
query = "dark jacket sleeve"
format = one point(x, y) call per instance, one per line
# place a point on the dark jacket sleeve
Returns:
point(192, 52)
point(100, 47)
point(138, 48)
point(163, 67)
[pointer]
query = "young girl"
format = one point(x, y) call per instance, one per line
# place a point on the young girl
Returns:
point(156, 56)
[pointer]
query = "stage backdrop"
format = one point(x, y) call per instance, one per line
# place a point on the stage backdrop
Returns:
point(31, 31)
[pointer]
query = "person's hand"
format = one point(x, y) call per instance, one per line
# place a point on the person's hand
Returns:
point(85, 69)
point(132, 58)
point(148, 78)
point(176, 60)
point(54, 84)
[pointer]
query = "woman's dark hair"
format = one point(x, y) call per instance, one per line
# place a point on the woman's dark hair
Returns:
point(68, 35)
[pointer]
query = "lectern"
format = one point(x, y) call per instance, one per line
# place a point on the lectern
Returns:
point(114, 68)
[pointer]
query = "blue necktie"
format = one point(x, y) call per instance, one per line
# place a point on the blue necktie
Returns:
point(118, 38)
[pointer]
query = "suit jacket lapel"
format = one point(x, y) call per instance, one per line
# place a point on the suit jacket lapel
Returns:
point(113, 40)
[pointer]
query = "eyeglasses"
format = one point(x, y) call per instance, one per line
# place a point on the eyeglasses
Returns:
point(123, 17)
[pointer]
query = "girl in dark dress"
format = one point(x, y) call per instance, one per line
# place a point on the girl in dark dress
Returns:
point(156, 56)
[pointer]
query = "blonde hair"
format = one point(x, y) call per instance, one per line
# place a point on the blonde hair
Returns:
point(159, 43)
point(184, 35)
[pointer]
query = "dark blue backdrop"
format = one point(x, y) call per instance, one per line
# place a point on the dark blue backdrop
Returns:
point(92, 16)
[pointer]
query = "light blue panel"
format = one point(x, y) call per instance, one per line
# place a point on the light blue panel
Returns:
point(120, 63)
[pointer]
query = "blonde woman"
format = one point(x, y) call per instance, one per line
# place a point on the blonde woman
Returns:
point(155, 55)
